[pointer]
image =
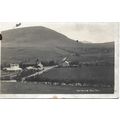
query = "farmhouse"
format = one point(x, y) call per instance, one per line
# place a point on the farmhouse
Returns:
point(65, 64)
point(13, 67)
point(30, 68)
point(39, 66)
point(32, 65)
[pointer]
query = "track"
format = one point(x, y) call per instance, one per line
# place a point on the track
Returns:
point(40, 72)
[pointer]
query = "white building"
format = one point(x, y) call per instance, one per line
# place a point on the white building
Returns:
point(65, 64)
point(13, 67)
point(39, 66)
point(30, 68)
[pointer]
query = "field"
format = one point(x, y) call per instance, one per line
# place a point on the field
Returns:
point(39, 88)
point(94, 79)
point(100, 75)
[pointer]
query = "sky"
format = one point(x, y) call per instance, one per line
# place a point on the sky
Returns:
point(87, 32)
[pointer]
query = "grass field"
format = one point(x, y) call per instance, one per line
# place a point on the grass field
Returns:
point(103, 76)
point(85, 74)
point(39, 88)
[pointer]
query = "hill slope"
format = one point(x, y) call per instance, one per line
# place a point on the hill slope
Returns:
point(34, 37)
point(30, 43)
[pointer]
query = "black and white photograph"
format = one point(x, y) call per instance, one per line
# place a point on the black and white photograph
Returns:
point(60, 58)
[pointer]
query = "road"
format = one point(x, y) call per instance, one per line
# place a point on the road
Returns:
point(10, 74)
point(40, 72)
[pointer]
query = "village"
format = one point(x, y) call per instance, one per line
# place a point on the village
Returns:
point(36, 72)
point(27, 70)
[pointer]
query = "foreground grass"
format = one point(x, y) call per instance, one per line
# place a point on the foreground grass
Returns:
point(85, 74)
point(97, 78)
point(39, 88)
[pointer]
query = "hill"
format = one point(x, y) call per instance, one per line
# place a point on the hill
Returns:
point(29, 43)
point(34, 37)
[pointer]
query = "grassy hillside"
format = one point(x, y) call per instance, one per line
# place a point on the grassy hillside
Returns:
point(29, 43)
point(34, 37)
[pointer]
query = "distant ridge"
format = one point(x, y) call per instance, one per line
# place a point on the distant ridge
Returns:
point(85, 41)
